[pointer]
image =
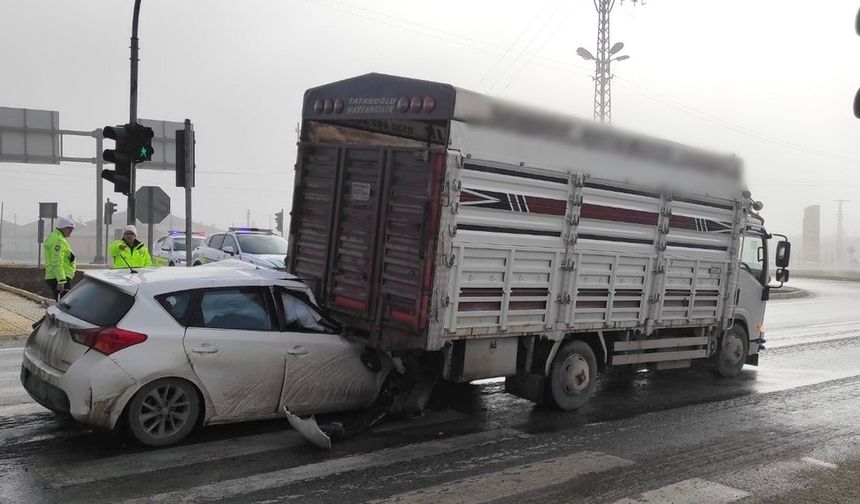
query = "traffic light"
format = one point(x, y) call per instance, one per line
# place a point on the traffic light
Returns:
point(121, 176)
point(110, 209)
point(279, 221)
point(133, 145)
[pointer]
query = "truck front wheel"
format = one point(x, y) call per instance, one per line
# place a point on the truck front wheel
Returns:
point(572, 375)
point(730, 356)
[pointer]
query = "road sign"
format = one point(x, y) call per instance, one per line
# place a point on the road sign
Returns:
point(153, 204)
point(29, 136)
point(47, 210)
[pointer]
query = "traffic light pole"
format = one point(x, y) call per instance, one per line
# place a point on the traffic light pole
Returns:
point(189, 183)
point(132, 108)
point(99, 258)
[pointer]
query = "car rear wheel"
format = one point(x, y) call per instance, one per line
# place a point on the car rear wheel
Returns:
point(163, 412)
point(171, 264)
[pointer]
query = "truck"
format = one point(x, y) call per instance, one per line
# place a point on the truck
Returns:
point(474, 238)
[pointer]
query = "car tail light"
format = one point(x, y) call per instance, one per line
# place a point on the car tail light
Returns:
point(403, 104)
point(108, 340)
point(415, 104)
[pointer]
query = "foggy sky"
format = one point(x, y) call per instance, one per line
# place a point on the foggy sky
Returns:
point(771, 81)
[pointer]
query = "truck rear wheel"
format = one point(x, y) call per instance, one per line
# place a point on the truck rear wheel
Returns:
point(572, 375)
point(730, 356)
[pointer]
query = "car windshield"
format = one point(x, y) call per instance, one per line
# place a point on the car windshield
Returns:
point(179, 243)
point(262, 244)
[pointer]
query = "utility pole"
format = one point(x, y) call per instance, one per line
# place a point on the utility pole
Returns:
point(839, 231)
point(603, 57)
point(248, 218)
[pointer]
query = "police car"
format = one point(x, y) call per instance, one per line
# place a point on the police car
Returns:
point(260, 247)
point(169, 250)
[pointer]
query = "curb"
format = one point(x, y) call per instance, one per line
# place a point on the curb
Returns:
point(794, 294)
point(26, 294)
point(826, 276)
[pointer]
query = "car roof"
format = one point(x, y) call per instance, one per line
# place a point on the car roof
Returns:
point(227, 273)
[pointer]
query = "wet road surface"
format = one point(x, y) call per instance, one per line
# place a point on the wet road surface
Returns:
point(774, 434)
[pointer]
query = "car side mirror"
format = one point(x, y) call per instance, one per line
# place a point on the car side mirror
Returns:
point(229, 250)
point(165, 247)
point(783, 254)
point(782, 275)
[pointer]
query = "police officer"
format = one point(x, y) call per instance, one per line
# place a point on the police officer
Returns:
point(128, 252)
point(59, 259)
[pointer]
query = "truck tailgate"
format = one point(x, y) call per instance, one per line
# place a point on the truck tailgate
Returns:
point(363, 234)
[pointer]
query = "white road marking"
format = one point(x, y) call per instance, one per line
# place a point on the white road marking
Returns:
point(511, 481)
point(275, 479)
point(691, 491)
point(821, 463)
point(19, 349)
point(165, 458)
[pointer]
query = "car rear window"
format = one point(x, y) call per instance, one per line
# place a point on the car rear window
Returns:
point(97, 303)
point(262, 244)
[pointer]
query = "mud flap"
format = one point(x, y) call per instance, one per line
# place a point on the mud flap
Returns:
point(308, 428)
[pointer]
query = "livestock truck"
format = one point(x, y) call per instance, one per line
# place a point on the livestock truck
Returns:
point(476, 238)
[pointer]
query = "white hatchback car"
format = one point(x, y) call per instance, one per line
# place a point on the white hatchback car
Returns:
point(164, 350)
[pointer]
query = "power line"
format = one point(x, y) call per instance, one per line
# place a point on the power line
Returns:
point(528, 44)
point(490, 48)
point(669, 102)
point(539, 49)
point(515, 42)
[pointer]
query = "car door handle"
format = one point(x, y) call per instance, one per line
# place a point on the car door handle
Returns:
point(205, 349)
point(298, 350)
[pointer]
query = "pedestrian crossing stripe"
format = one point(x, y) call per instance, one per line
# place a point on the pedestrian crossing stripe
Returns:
point(512, 481)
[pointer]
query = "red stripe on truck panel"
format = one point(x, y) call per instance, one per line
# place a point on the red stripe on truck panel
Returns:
point(615, 214)
point(481, 292)
point(545, 206)
point(352, 304)
point(406, 318)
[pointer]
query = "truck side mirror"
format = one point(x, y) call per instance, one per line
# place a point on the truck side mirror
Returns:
point(783, 254)
point(782, 275)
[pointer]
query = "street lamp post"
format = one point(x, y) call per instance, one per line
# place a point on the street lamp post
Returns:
point(603, 77)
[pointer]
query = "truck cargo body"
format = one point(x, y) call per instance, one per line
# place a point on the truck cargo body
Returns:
point(430, 218)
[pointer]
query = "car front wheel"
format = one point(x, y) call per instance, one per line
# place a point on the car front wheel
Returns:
point(163, 412)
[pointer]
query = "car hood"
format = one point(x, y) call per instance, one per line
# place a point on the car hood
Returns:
point(265, 260)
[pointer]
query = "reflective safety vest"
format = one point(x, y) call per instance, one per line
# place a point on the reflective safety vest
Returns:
point(125, 256)
point(59, 259)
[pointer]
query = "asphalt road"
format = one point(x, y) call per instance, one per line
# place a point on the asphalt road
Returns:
point(785, 431)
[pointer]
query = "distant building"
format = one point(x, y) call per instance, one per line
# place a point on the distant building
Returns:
point(812, 234)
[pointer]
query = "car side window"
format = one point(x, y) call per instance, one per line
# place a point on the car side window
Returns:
point(241, 308)
point(299, 316)
point(160, 243)
point(216, 242)
point(176, 304)
point(229, 241)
